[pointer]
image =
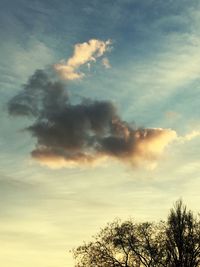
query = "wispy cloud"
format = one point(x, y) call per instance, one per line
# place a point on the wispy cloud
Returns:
point(190, 136)
point(106, 63)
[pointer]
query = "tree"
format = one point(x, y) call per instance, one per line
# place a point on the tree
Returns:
point(183, 237)
point(175, 243)
point(123, 245)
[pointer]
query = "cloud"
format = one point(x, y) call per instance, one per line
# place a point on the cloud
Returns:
point(172, 115)
point(189, 137)
point(39, 96)
point(106, 63)
point(83, 53)
point(85, 133)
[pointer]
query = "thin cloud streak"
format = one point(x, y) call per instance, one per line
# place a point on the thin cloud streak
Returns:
point(189, 137)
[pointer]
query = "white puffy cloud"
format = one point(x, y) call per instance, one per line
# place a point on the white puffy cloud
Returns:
point(83, 53)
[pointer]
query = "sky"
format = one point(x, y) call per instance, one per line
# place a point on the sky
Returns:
point(99, 115)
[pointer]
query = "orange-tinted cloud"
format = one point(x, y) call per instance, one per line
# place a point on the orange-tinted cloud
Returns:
point(85, 133)
point(142, 146)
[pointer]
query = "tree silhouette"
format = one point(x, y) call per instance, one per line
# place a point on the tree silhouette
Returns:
point(175, 243)
point(122, 245)
point(183, 237)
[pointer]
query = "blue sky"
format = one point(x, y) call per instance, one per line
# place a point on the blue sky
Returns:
point(154, 83)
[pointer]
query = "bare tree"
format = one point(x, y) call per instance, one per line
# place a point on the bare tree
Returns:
point(175, 243)
point(123, 245)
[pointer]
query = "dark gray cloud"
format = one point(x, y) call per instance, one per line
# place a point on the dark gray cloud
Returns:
point(39, 96)
point(85, 132)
